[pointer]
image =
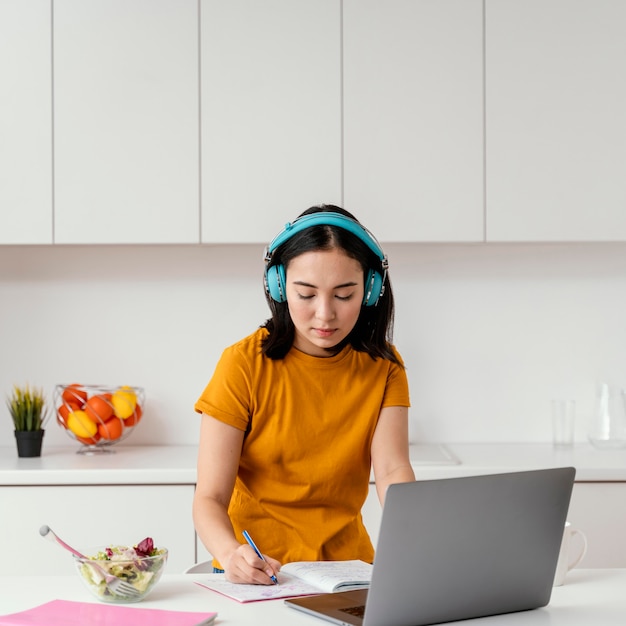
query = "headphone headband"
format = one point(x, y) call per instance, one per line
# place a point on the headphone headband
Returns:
point(326, 218)
point(275, 275)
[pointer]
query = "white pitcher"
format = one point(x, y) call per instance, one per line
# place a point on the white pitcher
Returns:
point(608, 425)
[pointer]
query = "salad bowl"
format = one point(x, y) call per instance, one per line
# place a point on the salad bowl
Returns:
point(139, 567)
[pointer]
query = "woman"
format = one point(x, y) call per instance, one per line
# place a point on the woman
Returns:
point(298, 412)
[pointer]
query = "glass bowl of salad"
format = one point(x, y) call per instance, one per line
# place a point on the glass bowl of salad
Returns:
point(122, 574)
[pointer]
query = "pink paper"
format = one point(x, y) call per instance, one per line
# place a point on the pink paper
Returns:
point(66, 613)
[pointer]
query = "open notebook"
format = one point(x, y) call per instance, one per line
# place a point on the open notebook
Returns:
point(459, 548)
point(300, 578)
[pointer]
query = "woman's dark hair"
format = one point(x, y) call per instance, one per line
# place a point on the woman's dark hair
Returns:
point(373, 331)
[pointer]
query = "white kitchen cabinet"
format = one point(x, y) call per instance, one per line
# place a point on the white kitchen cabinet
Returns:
point(271, 114)
point(413, 118)
point(599, 510)
point(372, 514)
point(90, 516)
point(25, 122)
point(556, 128)
point(126, 120)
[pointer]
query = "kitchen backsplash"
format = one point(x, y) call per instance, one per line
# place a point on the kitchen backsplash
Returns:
point(489, 333)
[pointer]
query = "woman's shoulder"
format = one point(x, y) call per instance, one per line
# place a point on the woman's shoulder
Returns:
point(250, 346)
point(385, 360)
point(397, 354)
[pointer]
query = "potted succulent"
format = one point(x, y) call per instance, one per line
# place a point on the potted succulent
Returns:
point(29, 412)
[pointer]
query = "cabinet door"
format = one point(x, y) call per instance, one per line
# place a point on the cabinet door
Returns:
point(25, 122)
point(271, 114)
point(372, 514)
point(599, 510)
point(413, 118)
point(92, 516)
point(126, 121)
point(556, 128)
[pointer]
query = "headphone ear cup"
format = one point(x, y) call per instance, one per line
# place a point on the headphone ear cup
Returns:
point(373, 288)
point(275, 281)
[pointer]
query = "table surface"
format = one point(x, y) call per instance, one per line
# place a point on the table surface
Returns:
point(587, 597)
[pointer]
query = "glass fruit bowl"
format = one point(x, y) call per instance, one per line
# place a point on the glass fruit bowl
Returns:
point(140, 571)
point(98, 416)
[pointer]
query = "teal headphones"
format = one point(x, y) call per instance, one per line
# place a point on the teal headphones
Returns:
point(276, 276)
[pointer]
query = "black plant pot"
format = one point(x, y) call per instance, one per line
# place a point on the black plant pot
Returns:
point(29, 442)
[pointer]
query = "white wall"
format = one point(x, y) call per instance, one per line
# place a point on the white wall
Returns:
point(489, 332)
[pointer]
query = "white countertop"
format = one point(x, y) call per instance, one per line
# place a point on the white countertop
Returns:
point(487, 458)
point(125, 465)
point(168, 465)
point(588, 597)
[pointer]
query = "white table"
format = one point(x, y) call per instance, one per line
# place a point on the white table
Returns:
point(588, 598)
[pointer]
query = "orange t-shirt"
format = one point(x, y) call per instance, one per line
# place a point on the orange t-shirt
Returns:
point(305, 463)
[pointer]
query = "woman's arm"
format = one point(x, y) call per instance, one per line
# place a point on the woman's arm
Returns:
point(390, 449)
point(219, 452)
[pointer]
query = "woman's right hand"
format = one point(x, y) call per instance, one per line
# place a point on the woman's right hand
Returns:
point(244, 566)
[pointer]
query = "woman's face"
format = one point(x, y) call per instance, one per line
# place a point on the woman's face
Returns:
point(325, 289)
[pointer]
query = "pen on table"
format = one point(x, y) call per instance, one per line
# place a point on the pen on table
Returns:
point(258, 552)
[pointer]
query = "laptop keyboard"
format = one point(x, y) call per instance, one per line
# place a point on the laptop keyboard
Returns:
point(357, 611)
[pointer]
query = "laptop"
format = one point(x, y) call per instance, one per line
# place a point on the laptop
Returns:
point(459, 548)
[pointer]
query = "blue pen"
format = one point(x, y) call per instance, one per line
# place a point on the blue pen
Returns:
point(258, 552)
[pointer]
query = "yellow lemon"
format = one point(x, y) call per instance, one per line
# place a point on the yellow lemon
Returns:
point(80, 424)
point(124, 401)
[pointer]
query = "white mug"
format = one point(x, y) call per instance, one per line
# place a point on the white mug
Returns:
point(566, 560)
